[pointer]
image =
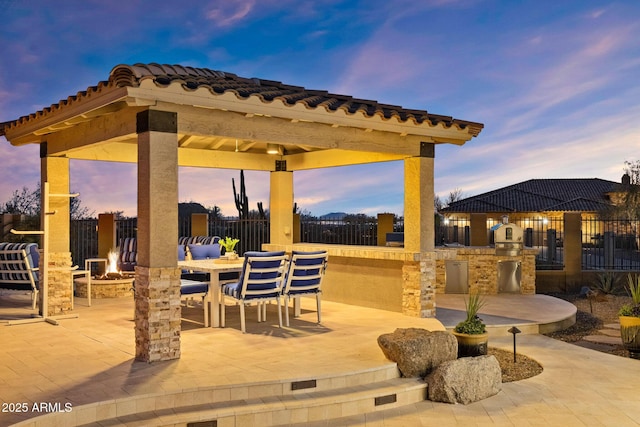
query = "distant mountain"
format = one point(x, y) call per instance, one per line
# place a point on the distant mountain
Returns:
point(334, 216)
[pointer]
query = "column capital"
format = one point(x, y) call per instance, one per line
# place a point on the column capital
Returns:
point(156, 121)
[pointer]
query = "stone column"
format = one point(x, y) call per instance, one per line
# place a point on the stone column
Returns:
point(281, 208)
point(55, 171)
point(157, 279)
point(419, 287)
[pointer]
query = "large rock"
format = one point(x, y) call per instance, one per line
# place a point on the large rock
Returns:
point(418, 351)
point(465, 380)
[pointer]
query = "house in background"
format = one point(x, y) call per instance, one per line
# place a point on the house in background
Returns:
point(534, 204)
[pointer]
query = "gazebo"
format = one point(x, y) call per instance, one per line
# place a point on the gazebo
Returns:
point(165, 116)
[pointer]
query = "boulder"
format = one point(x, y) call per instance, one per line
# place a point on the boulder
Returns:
point(465, 380)
point(418, 351)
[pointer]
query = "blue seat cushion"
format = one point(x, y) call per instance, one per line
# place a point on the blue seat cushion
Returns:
point(204, 251)
point(298, 275)
point(258, 264)
point(234, 289)
point(188, 287)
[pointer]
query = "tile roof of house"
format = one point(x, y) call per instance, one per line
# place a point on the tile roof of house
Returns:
point(219, 82)
point(541, 195)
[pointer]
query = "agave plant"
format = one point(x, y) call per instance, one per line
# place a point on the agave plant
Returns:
point(473, 324)
point(228, 244)
point(633, 289)
point(607, 283)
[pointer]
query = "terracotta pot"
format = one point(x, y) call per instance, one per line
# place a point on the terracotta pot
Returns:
point(630, 334)
point(471, 345)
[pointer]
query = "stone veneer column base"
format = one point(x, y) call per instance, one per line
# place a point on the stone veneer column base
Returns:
point(59, 286)
point(419, 286)
point(157, 313)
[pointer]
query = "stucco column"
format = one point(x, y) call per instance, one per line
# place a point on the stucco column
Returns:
point(573, 249)
point(157, 279)
point(479, 229)
point(106, 234)
point(55, 171)
point(418, 204)
point(385, 225)
point(199, 224)
point(418, 298)
point(281, 208)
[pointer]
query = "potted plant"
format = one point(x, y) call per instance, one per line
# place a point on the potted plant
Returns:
point(229, 245)
point(471, 333)
point(629, 316)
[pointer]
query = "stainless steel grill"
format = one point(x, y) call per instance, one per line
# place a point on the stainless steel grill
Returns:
point(509, 239)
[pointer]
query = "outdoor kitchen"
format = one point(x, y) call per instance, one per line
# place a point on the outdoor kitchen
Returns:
point(507, 266)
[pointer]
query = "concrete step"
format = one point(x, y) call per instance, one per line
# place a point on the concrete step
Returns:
point(284, 410)
point(277, 402)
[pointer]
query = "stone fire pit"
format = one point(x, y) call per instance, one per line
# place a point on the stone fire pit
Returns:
point(109, 287)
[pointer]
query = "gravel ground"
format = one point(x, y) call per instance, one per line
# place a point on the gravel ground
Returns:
point(591, 316)
point(523, 367)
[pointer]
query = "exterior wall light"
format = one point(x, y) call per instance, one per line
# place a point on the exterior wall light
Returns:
point(274, 149)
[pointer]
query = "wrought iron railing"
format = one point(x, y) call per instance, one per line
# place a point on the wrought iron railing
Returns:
point(610, 244)
point(606, 244)
point(339, 232)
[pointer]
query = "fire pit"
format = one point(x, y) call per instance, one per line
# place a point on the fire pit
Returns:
point(109, 287)
point(111, 284)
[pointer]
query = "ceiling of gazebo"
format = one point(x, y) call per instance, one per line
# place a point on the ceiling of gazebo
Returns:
point(228, 121)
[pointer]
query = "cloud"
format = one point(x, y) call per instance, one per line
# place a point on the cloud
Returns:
point(229, 12)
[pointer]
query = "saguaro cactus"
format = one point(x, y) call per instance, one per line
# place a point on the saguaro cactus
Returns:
point(242, 201)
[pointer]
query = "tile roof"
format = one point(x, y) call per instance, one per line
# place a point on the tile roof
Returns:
point(219, 82)
point(540, 195)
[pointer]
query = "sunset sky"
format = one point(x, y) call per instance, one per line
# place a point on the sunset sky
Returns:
point(556, 84)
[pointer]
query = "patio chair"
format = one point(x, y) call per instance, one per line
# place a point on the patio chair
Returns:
point(304, 278)
point(190, 289)
point(128, 254)
point(260, 281)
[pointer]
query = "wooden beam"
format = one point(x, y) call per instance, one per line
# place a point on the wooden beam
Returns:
point(108, 152)
point(225, 159)
point(85, 106)
point(118, 126)
point(331, 158)
point(204, 122)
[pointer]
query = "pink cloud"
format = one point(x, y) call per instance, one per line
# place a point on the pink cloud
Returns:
point(229, 12)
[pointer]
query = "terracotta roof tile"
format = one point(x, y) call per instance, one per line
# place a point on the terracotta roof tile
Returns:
point(219, 82)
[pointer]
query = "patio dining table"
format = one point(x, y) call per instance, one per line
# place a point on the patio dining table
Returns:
point(214, 269)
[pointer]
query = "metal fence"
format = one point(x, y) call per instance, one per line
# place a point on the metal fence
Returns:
point(610, 245)
point(452, 231)
point(363, 233)
point(546, 235)
point(606, 244)
point(252, 232)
